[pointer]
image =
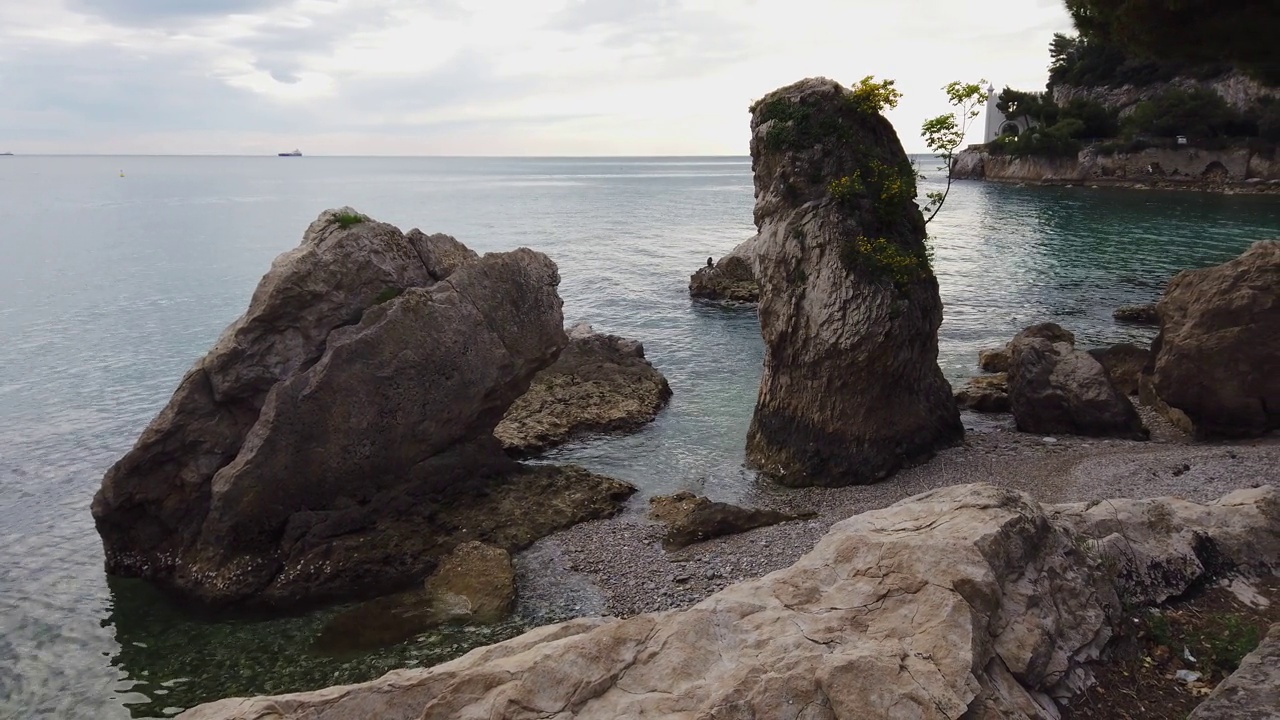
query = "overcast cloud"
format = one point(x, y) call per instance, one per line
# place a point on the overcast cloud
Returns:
point(476, 77)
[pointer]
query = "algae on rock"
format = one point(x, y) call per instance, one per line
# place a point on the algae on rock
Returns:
point(849, 307)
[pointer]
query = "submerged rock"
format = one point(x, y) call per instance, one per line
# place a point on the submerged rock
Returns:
point(338, 436)
point(690, 519)
point(1056, 389)
point(969, 601)
point(1217, 357)
point(730, 279)
point(849, 307)
point(600, 383)
point(476, 583)
point(1138, 314)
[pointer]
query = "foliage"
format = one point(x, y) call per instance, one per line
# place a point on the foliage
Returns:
point(882, 257)
point(1269, 122)
point(1035, 106)
point(346, 220)
point(388, 293)
point(945, 134)
point(870, 96)
point(1188, 32)
point(1045, 142)
point(1194, 113)
point(1096, 120)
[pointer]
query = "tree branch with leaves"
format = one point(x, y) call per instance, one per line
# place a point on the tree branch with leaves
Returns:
point(945, 134)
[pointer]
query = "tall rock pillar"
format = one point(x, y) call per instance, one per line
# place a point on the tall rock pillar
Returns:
point(849, 306)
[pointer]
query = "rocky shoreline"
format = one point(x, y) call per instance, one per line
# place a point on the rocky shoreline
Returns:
point(621, 560)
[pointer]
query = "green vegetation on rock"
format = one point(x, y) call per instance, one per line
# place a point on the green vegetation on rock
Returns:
point(346, 219)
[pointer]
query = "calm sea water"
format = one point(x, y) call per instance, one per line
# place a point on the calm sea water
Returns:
point(110, 287)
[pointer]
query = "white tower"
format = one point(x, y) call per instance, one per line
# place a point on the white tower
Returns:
point(995, 118)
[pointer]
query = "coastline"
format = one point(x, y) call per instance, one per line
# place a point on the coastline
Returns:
point(1237, 171)
point(618, 567)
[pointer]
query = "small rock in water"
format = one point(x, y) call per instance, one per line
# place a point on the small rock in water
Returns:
point(1049, 440)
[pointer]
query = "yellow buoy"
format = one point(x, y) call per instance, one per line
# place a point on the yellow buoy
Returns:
point(121, 173)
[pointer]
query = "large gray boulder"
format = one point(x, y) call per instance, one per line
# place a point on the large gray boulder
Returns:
point(315, 450)
point(1217, 357)
point(965, 602)
point(849, 307)
point(599, 384)
point(1057, 389)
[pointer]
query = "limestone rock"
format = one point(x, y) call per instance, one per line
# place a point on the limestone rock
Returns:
point(849, 307)
point(600, 383)
point(1217, 357)
point(968, 601)
point(1056, 389)
point(1124, 363)
point(994, 360)
point(730, 279)
point(985, 394)
point(1253, 691)
point(690, 519)
point(1138, 314)
point(317, 451)
point(476, 583)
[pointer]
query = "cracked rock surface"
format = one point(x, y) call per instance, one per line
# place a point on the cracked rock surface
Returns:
point(969, 601)
point(338, 437)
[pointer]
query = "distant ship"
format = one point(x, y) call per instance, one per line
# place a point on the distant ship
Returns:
point(295, 153)
point(6, 153)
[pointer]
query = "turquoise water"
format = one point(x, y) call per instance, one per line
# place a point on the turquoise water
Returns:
point(111, 287)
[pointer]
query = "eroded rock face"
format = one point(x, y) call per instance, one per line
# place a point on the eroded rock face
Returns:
point(690, 518)
point(849, 307)
point(600, 383)
point(1217, 357)
point(729, 279)
point(969, 601)
point(1056, 389)
point(314, 451)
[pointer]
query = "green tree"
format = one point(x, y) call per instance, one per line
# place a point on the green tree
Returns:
point(1240, 32)
point(945, 134)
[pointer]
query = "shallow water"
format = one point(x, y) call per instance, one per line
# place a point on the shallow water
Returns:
point(111, 287)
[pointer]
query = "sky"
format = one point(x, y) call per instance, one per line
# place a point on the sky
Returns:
point(477, 77)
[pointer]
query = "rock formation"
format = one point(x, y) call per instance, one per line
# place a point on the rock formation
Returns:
point(994, 360)
point(600, 383)
point(1054, 388)
point(1253, 691)
point(1124, 363)
point(338, 436)
point(690, 519)
point(1217, 357)
point(1138, 314)
point(969, 601)
point(985, 394)
point(849, 307)
point(475, 583)
point(730, 279)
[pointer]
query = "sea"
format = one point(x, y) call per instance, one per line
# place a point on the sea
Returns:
point(117, 273)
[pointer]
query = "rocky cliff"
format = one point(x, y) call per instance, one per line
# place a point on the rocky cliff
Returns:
point(336, 434)
point(966, 602)
point(1239, 90)
point(849, 306)
point(1238, 170)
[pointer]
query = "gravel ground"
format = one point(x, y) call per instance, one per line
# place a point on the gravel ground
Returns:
point(618, 566)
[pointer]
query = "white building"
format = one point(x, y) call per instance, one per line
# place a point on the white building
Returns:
point(997, 123)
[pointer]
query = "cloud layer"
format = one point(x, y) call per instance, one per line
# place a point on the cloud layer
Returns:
point(474, 77)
